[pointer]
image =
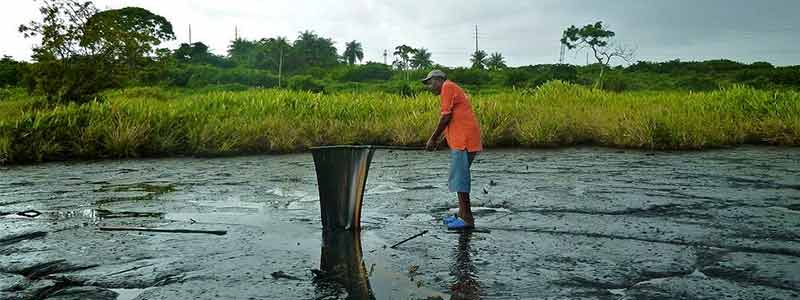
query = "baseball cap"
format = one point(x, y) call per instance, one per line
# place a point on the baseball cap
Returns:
point(434, 73)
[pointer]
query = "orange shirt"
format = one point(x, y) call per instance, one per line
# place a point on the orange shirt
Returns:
point(463, 132)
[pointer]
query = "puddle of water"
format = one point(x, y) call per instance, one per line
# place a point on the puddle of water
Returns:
point(287, 193)
point(147, 187)
point(124, 199)
point(698, 274)
point(343, 270)
point(128, 294)
point(393, 285)
point(233, 202)
point(297, 199)
point(91, 214)
point(61, 215)
point(259, 220)
point(384, 188)
point(301, 205)
point(143, 191)
point(483, 210)
point(785, 209)
point(618, 292)
point(421, 187)
point(20, 184)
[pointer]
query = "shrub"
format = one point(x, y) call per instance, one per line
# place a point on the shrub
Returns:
point(196, 76)
point(368, 72)
point(466, 76)
point(534, 76)
point(77, 79)
point(402, 88)
point(9, 72)
point(698, 84)
point(306, 83)
point(617, 82)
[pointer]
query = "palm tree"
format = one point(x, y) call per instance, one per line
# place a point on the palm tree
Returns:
point(353, 51)
point(243, 52)
point(421, 59)
point(403, 52)
point(314, 50)
point(478, 59)
point(277, 49)
point(496, 62)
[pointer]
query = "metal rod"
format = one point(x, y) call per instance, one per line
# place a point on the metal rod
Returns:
point(408, 239)
point(376, 147)
point(404, 148)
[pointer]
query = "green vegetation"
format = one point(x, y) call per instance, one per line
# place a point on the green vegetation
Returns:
point(84, 51)
point(150, 121)
point(99, 87)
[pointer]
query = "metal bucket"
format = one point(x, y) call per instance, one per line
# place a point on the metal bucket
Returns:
point(341, 177)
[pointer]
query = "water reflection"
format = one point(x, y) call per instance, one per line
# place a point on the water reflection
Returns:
point(97, 214)
point(466, 285)
point(342, 267)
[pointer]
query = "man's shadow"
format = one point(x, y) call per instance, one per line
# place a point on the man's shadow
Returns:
point(466, 285)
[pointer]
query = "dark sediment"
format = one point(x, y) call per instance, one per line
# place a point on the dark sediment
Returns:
point(581, 223)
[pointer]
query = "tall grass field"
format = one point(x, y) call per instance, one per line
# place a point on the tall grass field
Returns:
point(155, 122)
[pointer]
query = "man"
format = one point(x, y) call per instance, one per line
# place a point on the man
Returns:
point(463, 134)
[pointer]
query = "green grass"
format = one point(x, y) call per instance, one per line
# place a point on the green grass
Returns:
point(164, 122)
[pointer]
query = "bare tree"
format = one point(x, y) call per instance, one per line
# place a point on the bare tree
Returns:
point(600, 41)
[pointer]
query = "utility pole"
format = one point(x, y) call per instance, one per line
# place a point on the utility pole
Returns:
point(561, 56)
point(385, 55)
point(236, 33)
point(476, 38)
point(190, 34)
point(280, 67)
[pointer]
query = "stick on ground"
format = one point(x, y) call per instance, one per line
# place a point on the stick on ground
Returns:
point(214, 232)
point(408, 239)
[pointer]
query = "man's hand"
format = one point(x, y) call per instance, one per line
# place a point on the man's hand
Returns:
point(431, 145)
point(433, 141)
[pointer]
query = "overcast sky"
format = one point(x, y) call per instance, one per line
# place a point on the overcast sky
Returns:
point(525, 32)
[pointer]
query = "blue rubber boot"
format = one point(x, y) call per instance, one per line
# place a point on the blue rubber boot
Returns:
point(459, 224)
point(449, 219)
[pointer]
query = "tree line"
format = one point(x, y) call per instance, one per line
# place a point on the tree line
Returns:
point(83, 51)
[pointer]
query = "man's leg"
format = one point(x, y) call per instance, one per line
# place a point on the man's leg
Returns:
point(464, 208)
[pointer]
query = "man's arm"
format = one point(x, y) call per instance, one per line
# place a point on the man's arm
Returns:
point(433, 142)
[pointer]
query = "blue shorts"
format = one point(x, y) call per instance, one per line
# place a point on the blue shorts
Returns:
point(460, 161)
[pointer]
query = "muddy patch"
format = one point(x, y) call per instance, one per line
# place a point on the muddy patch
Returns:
point(581, 223)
